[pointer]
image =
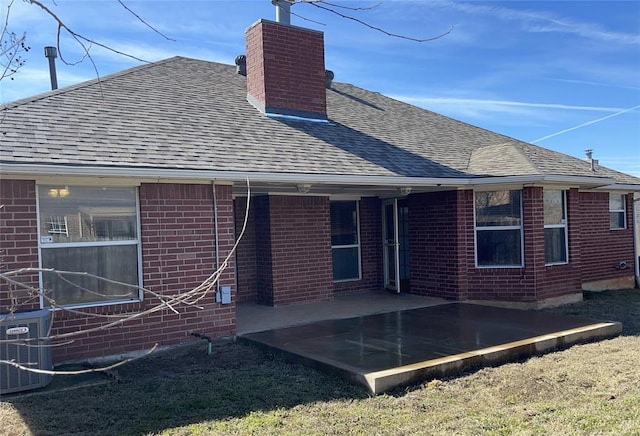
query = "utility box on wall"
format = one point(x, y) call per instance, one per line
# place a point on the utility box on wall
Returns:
point(20, 342)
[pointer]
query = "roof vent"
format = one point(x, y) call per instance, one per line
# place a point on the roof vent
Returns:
point(241, 65)
point(51, 53)
point(590, 159)
point(328, 78)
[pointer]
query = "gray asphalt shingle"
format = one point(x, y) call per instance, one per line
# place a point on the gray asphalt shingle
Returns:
point(189, 114)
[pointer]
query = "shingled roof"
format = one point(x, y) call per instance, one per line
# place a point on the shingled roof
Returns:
point(187, 114)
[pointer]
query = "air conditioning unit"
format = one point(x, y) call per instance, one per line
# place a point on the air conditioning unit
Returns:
point(35, 353)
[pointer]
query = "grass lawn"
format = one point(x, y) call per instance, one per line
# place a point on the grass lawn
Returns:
point(238, 389)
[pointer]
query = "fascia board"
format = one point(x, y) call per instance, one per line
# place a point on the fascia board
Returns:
point(167, 174)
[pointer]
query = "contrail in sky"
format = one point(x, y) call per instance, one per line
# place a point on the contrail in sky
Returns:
point(588, 123)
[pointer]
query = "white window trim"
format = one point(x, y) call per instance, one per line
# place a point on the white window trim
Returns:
point(563, 225)
point(51, 246)
point(486, 228)
point(623, 211)
point(358, 245)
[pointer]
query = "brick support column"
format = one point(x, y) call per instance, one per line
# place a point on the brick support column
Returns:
point(18, 239)
point(293, 239)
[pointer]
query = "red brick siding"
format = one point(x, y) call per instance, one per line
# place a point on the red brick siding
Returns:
point(370, 249)
point(293, 237)
point(443, 252)
point(603, 248)
point(178, 253)
point(285, 67)
point(246, 262)
point(558, 280)
point(433, 244)
point(18, 238)
point(264, 261)
point(516, 284)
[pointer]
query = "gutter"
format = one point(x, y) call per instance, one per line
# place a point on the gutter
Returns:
point(338, 179)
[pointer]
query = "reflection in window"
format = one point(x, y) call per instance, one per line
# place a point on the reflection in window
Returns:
point(345, 240)
point(498, 217)
point(555, 227)
point(91, 230)
point(617, 211)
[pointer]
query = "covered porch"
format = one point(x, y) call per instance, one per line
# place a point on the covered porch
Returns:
point(383, 341)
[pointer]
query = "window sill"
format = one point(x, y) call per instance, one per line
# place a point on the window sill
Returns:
point(92, 305)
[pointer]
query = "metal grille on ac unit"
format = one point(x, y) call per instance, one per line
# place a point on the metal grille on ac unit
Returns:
point(19, 333)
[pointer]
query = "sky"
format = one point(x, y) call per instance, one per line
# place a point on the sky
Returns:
point(564, 75)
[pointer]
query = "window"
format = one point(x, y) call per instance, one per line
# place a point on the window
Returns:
point(555, 227)
point(91, 230)
point(617, 215)
point(498, 228)
point(345, 240)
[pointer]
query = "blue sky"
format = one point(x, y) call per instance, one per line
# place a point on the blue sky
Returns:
point(562, 74)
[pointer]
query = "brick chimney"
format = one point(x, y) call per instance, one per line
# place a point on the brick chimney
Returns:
point(285, 70)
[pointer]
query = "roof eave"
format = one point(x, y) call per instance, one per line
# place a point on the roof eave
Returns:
point(167, 174)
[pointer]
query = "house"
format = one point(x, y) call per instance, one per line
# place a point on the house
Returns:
point(141, 177)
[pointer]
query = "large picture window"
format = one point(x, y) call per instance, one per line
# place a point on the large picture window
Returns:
point(92, 231)
point(617, 215)
point(498, 218)
point(555, 227)
point(345, 240)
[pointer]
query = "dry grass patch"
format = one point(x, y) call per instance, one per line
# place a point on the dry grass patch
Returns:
point(587, 389)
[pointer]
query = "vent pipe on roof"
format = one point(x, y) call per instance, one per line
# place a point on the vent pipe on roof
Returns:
point(51, 53)
point(283, 11)
point(591, 160)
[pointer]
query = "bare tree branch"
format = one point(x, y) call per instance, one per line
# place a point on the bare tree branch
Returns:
point(351, 8)
point(81, 371)
point(171, 302)
point(318, 4)
point(10, 47)
point(144, 22)
point(82, 40)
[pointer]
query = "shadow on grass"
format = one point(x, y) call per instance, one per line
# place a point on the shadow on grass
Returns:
point(181, 387)
point(186, 386)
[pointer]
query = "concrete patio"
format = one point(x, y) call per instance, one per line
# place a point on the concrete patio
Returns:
point(383, 341)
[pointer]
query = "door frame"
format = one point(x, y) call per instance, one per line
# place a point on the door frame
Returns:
point(392, 247)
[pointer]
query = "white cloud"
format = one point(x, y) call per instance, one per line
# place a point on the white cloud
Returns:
point(486, 109)
point(535, 21)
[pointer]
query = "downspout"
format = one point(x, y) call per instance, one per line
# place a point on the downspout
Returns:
point(215, 227)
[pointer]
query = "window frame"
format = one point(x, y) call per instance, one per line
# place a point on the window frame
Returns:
point(622, 211)
point(357, 245)
point(61, 245)
point(477, 229)
point(564, 225)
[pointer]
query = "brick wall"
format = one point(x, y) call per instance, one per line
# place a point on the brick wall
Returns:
point(18, 239)
point(370, 249)
point(178, 253)
point(443, 251)
point(516, 284)
point(293, 241)
point(603, 248)
point(435, 252)
point(246, 261)
point(558, 280)
point(264, 262)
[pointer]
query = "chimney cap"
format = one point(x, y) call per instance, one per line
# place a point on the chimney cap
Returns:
point(51, 52)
